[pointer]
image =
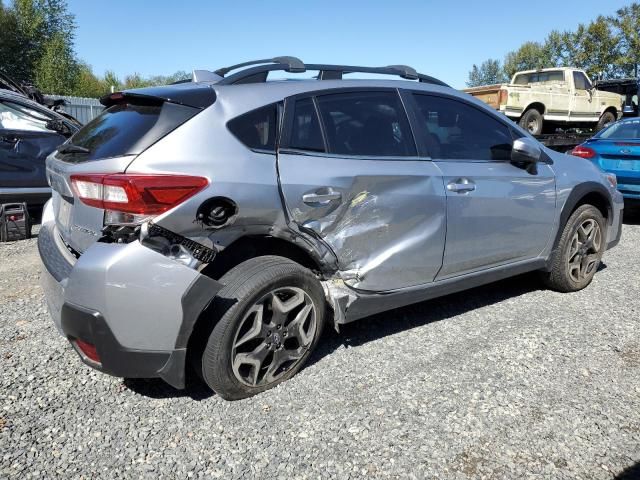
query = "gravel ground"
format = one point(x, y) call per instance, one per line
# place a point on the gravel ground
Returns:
point(504, 381)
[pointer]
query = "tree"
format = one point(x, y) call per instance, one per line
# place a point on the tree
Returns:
point(57, 69)
point(530, 56)
point(597, 49)
point(88, 84)
point(111, 80)
point(488, 73)
point(627, 23)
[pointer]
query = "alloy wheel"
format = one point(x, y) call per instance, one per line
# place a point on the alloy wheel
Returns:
point(584, 250)
point(273, 336)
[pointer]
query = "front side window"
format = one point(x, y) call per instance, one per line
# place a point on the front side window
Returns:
point(257, 129)
point(366, 124)
point(455, 130)
point(581, 81)
point(14, 116)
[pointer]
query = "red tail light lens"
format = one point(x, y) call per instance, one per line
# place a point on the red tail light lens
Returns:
point(136, 193)
point(89, 350)
point(583, 152)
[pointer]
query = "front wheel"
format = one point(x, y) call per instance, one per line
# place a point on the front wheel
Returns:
point(271, 313)
point(577, 256)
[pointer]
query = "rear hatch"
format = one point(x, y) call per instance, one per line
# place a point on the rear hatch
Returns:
point(133, 121)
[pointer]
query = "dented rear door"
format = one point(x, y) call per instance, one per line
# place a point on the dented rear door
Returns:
point(354, 180)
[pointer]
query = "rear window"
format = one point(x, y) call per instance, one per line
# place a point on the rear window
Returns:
point(128, 129)
point(627, 130)
point(539, 77)
point(257, 128)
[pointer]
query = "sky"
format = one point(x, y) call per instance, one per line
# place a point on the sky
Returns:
point(439, 38)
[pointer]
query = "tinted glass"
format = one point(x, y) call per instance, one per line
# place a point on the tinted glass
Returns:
point(306, 133)
point(366, 123)
point(257, 129)
point(128, 129)
point(539, 77)
point(456, 130)
point(627, 130)
point(581, 82)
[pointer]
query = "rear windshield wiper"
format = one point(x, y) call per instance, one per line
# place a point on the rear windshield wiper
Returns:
point(70, 148)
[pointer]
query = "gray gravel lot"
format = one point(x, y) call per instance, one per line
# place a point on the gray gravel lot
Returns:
point(504, 381)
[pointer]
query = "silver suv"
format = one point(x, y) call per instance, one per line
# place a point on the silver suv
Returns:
point(218, 225)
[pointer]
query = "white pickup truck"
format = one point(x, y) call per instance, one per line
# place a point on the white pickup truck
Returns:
point(541, 100)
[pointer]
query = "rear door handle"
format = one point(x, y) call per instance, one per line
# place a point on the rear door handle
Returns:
point(461, 185)
point(321, 197)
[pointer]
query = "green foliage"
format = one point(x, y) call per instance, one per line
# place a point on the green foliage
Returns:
point(627, 23)
point(489, 72)
point(605, 48)
point(36, 45)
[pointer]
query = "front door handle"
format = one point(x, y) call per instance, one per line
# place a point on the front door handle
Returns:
point(461, 185)
point(321, 197)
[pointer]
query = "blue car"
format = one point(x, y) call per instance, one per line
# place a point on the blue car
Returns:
point(616, 149)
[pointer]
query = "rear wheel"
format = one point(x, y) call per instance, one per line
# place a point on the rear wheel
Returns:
point(577, 256)
point(532, 121)
point(271, 314)
point(605, 119)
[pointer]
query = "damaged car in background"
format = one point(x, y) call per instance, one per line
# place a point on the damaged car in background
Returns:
point(29, 132)
point(217, 226)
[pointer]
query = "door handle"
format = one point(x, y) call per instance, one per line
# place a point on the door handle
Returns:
point(321, 197)
point(461, 185)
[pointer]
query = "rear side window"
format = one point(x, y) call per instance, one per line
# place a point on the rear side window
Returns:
point(306, 133)
point(454, 130)
point(129, 129)
point(366, 123)
point(257, 128)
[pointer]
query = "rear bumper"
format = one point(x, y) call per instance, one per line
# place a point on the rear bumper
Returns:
point(134, 305)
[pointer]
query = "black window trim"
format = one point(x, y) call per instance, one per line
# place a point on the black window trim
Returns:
point(289, 113)
point(420, 138)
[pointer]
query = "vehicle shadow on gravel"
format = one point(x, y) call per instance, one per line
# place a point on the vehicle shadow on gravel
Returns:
point(631, 473)
point(631, 217)
point(373, 328)
point(388, 323)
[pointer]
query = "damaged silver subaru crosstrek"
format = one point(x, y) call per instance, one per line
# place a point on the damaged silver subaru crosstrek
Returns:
point(218, 225)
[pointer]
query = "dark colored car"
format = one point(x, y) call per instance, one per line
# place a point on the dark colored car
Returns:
point(29, 132)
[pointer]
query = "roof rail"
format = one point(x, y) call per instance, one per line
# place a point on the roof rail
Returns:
point(292, 64)
point(259, 70)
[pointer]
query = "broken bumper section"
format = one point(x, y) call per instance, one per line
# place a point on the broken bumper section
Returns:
point(127, 310)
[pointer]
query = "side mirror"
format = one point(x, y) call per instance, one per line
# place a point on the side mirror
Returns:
point(526, 151)
point(58, 127)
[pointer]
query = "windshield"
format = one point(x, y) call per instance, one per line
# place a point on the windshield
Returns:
point(127, 129)
point(629, 129)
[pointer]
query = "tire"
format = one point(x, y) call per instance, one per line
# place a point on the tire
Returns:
point(577, 255)
point(532, 121)
point(606, 118)
point(271, 316)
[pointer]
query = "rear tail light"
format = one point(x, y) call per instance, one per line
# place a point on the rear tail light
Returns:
point(583, 152)
point(138, 195)
point(503, 96)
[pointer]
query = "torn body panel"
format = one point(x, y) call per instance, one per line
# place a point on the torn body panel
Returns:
point(384, 219)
